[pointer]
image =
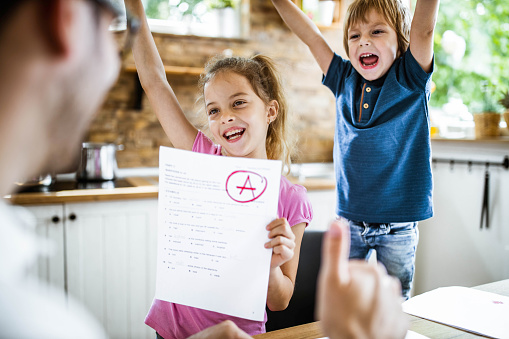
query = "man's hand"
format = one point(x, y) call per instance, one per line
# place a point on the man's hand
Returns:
point(225, 330)
point(356, 299)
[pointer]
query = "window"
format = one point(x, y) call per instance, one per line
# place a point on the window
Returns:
point(209, 18)
point(471, 52)
point(471, 46)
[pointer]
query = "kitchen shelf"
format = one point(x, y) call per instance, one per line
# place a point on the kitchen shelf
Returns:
point(172, 70)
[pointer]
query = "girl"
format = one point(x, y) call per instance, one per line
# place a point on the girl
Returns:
point(246, 113)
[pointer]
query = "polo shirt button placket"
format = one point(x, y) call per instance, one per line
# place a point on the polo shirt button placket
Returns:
point(366, 106)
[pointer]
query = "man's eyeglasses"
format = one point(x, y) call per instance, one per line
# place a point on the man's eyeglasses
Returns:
point(131, 28)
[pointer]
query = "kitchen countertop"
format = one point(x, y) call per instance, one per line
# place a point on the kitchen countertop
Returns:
point(493, 140)
point(142, 187)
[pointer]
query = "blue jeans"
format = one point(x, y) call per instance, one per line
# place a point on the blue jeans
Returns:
point(395, 245)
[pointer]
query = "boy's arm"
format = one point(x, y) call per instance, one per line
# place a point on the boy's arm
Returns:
point(307, 31)
point(153, 80)
point(421, 33)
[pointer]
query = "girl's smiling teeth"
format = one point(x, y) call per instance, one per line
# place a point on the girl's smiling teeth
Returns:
point(368, 60)
point(233, 133)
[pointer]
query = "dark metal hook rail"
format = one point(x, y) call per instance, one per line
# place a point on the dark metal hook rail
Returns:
point(485, 210)
point(470, 163)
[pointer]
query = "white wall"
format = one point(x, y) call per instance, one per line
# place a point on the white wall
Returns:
point(324, 209)
point(453, 250)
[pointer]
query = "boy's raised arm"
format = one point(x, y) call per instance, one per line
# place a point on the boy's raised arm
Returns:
point(153, 80)
point(421, 33)
point(307, 31)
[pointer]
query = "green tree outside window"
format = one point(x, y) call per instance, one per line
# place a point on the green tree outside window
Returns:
point(484, 26)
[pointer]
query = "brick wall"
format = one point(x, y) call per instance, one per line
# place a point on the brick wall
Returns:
point(311, 104)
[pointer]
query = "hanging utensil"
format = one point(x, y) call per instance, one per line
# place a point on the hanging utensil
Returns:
point(485, 211)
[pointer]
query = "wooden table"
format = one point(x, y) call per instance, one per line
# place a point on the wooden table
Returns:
point(422, 326)
point(306, 331)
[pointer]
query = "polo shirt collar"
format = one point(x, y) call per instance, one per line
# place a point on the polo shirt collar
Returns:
point(375, 83)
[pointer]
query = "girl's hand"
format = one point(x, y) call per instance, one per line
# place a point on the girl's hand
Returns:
point(282, 242)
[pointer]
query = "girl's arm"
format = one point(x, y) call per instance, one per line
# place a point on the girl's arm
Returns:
point(153, 80)
point(421, 33)
point(307, 31)
point(285, 243)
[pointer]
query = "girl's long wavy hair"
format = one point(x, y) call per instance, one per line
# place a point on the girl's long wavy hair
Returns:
point(266, 82)
point(394, 12)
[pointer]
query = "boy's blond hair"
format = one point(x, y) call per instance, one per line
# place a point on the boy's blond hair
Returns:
point(266, 82)
point(394, 12)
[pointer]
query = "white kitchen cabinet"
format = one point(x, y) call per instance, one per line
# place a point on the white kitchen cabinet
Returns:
point(453, 249)
point(106, 260)
point(50, 227)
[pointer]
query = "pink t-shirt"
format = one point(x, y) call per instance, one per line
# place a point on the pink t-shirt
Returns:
point(175, 321)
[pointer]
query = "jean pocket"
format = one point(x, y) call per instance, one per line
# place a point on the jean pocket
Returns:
point(402, 229)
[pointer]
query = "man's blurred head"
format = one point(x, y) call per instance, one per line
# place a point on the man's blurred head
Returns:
point(57, 60)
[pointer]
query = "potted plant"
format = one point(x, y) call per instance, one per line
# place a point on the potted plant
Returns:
point(487, 118)
point(227, 17)
point(505, 102)
point(222, 3)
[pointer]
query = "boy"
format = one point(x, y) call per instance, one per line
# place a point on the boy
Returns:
point(381, 148)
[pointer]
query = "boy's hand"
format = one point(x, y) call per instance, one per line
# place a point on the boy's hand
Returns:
point(356, 299)
point(282, 242)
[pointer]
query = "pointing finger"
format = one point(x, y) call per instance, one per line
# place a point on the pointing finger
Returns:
point(336, 250)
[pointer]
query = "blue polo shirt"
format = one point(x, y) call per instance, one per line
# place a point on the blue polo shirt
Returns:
point(382, 152)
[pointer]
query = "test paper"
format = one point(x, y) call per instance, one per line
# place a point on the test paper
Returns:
point(465, 308)
point(213, 211)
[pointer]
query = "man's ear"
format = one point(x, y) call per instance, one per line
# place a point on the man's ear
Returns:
point(273, 110)
point(56, 19)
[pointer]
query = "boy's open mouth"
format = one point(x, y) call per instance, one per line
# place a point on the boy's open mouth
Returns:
point(368, 60)
point(233, 134)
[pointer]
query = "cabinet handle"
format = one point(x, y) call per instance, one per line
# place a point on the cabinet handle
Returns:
point(55, 219)
point(72, 216)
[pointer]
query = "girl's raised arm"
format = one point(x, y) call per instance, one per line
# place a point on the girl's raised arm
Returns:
point(421, 33)
point(153, 80)
point(307, 31)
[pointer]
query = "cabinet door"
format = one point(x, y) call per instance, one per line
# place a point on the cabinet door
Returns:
point(453, 250)
point(50, 228)
point(111, 260)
